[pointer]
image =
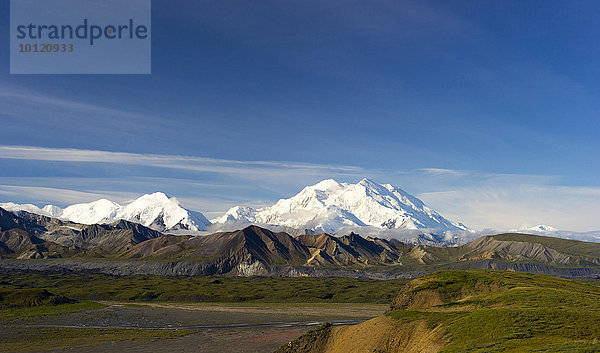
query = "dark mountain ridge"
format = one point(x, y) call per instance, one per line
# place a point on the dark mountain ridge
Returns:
point(67, 238)
point(257, 251)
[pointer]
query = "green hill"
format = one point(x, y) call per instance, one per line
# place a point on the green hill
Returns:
point(475, 311)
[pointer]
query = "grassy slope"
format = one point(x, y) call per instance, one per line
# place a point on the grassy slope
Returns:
point(207, 289)
point(488, 311)
point(590, 281)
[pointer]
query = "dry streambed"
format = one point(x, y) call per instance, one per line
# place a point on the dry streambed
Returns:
point(213, 327)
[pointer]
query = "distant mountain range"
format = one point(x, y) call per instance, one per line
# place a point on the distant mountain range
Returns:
point(327, 207)
point(332, 207)
point(156, 211)
point(542, 229)
point(125, 248)
point(367, 208)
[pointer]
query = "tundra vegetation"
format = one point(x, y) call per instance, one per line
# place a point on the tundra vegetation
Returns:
point(474, 311)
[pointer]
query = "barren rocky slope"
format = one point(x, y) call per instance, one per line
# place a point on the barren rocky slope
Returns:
point(130, 248)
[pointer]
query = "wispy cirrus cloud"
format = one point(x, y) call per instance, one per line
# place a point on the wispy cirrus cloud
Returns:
point(235, 182)
point(60, 195)
point(32, 108)
point(175, 174)
point(203, 164)
point(442, 171)
point(211, 185)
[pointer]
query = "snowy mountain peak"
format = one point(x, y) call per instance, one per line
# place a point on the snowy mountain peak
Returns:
point(541, 228)
point(100, 211)
point(156, 211)
point(325, 185)
point(16, 208)
point(237, 214)
point(155, 197)
point(369, 183)
point(330, 206)
point(52, 211)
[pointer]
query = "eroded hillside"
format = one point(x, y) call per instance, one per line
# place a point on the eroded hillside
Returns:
point(127, 248)
point(473, 311)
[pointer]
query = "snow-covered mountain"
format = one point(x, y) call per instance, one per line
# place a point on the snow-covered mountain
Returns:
point(156, 211)
point(48, 211)
point(330, 206)
point(541, 228)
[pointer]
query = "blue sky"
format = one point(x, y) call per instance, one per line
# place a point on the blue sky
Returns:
point(488, 111)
